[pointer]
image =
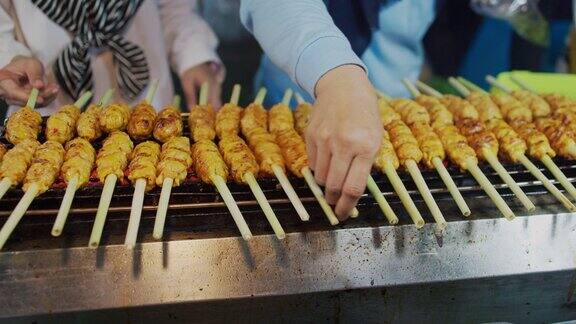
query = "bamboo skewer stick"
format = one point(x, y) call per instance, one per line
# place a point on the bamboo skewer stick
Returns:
point(162, 208)
point(65, 207)
point(6, 183)
point(559, 175)
point(522, 84)
point(441, 169)
point(451, 186)
point(32, 98)
point(106, 98)
point(426, 194)
point(135, 213)
point(291, 193)
point(151, 91)
point(546, 160)
point(265, 205)
point(496, 198)
point(473, 168)
point(546, 182)
point(355, 212)
point(404, 196)
point(226, 195)
point(505, 176)
point(101, 213)
point(319, 195)
point(17, 214)
point(379, 197)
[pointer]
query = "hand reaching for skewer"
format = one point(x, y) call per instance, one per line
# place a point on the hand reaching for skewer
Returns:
point(344, 135)
point(19, 77)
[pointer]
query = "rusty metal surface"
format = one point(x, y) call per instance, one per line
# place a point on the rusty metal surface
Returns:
point(62, 280)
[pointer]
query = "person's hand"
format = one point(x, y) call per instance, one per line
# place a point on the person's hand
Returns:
point(344, 135)
point(193, 78)
point(19, 77)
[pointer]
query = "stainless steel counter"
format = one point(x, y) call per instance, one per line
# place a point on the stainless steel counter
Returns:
point(200, 270)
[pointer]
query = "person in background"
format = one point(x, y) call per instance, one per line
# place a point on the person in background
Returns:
point(337, 51)
point(67, 47)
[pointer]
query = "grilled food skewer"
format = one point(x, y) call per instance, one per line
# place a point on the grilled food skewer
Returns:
point(25, 123)
point(142, 174)
point(512, 145)
point(111, 161)
point(78, 163)
point(541, 109)
point(409, 153)
point(208, 163)
point(484, 142)
point(169, 122)
point(15, 163)
point(88, 125)
point(61, 126)
point(281, 125)
point(243, 166)
point(456, 145)
point(175, 160)
point(387, 162)
point(40, 176)
point(143, 117)
point(427, 140)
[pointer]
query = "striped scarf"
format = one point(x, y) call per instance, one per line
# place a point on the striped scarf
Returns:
point(96, 24)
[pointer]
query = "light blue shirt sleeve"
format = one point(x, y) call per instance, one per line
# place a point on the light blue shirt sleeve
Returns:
point(299, 36)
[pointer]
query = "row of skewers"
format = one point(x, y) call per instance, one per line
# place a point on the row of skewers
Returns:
point(148, 164)
point(254, 142)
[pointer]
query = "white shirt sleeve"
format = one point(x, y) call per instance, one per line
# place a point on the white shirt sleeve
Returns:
point(188, 38)
point(299, 36)
point(9, 47)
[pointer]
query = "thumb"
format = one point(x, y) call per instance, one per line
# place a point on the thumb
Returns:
point(35, 73)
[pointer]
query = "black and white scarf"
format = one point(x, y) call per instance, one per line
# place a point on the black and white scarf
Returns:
point(96, 24)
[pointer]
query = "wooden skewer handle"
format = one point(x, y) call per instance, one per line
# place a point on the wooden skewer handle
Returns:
point(65, 207)
point(265, 205)
point(557, 173)
point(405, 198)
point(226, 195)
point(17, 214)
point(292, 195)
point(452, 188)
point(102, 211)
point(5, 185)
point(426, 194)
point(135, 213)
point(473, 168)
point(505, 176)
point(162, 208)
point(319, 195)
point(381, 200)
point(546, 182)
